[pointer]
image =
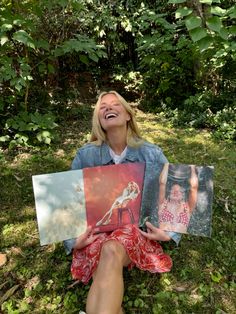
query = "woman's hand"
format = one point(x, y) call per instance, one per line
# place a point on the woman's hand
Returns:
point(154, 233)
point(86, 238)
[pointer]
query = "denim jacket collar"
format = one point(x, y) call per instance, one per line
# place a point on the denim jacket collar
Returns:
point(131, 155)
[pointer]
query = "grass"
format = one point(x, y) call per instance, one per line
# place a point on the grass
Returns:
point(37, 279)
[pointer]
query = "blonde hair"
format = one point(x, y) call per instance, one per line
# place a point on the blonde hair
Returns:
point(98, 135)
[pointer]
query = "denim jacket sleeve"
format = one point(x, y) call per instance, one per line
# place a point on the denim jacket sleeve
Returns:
point(68, 245)
point(174, 236)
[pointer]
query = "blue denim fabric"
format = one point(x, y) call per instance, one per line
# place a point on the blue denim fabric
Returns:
point(92, 155)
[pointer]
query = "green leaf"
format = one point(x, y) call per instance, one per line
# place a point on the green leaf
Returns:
point(41, 43)
point(193, 22)
point(206, 1)
point(51, 69)
point(23, 37)
point(6, 27)
point(198, 33)
point(181, 12)
point(218, 11)
point(9, 293)
point(214, 23)
point(176, 1)
point(167, 281)
point(126, 25)
point(62, 3)
point(224, 34)
point(232, 30)
point(44, 137)
point(204, 43)
point(4, 138)
point(21, 139)
point(58, 52)
point(18, 22)
point(216, 277)
point(221, 53)
point(232, 12)
point(42, 67)
point(94, 57)
point(4, 39)
point(84, 59)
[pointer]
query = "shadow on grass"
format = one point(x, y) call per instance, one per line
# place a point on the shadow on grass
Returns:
point(203, 276)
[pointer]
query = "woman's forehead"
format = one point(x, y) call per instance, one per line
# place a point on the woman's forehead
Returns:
point(109, 98)
point(176, 186)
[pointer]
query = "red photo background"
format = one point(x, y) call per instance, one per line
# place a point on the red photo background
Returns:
point(103, 184)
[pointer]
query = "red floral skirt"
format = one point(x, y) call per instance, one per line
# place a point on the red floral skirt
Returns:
point(145, 254)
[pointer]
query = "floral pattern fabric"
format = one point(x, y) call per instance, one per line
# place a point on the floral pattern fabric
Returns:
point(145, 254)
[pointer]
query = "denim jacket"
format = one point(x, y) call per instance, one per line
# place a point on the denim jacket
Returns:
point(92, 155)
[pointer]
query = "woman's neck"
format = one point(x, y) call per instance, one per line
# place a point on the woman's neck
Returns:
point(175, 202)
point(117, 141)
point(117, 147)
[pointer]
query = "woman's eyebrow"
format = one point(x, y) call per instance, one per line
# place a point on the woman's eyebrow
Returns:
point(113, 102)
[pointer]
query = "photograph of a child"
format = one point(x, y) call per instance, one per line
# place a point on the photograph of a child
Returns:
point(185, 199)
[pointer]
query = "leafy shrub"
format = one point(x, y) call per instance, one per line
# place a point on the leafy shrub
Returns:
point(26, 129)
point(131, 81)
point(200, 111)
point(224, 123)
point(168, 63)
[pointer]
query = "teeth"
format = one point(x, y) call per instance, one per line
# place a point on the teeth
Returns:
point(110, 115)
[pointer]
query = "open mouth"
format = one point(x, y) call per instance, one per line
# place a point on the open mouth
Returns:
point(110, 115)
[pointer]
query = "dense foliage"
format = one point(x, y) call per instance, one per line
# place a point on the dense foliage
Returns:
point(176, 56)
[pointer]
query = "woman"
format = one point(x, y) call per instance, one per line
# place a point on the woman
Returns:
point(115, 138)
point(175, 212)
point(128, 194)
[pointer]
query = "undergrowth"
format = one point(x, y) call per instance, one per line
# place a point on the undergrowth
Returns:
point(37, 279)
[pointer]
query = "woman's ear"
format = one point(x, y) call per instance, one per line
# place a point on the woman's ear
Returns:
point(128, 117)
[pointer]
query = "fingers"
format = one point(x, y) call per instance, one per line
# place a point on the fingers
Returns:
point(147, 235)
point(143, 232)
point(94, 237)
point(88, 230)
point(86, 238)
point(150, 226)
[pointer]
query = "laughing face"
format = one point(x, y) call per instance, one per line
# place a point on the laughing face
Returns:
point(112, 113)
point(176, 193)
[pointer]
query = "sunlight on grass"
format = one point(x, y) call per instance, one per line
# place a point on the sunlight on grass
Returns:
point(203, 276)
point(19, 233)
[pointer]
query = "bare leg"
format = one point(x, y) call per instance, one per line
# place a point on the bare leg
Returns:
point(106, 292)
point(102, 222)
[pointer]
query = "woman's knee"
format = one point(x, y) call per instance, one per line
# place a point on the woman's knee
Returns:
point(114, 252)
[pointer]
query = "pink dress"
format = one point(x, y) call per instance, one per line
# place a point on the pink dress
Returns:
point(145, 254)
